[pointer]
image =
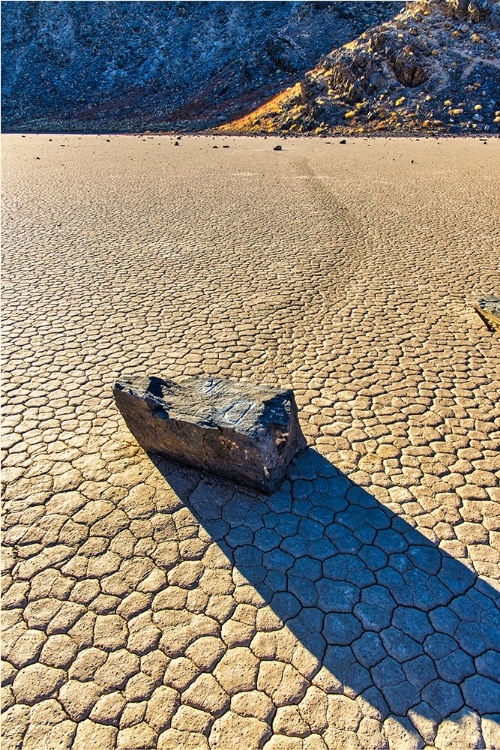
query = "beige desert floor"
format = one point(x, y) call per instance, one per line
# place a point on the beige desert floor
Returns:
point(149, 606)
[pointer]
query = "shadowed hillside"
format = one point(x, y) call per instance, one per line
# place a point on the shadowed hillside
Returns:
point(129, 66)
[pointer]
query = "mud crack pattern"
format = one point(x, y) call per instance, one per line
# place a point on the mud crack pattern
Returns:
point(149, 606)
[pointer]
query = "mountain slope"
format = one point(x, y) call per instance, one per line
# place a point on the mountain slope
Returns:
point(127, 65)
point(435, 66)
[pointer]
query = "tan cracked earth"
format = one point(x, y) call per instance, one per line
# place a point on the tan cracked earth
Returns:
point(148, 606)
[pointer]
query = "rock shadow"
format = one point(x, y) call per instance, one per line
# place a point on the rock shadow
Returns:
point(391, 616)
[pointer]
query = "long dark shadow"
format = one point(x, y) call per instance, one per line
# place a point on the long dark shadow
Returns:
point(391, 616)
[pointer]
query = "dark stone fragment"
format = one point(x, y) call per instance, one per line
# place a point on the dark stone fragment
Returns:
point(343, 142)
point(407, 70)
point(277, 148)
point(245, 432)
point(285, 53)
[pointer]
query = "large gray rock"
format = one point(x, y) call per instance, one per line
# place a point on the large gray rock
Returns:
point(246, 432)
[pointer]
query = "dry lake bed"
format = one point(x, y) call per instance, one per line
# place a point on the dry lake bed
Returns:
point(150, 606)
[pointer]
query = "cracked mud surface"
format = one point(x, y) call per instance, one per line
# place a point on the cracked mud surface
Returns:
point(150, 606)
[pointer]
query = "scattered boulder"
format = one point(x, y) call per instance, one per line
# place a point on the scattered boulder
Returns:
point(242, 431)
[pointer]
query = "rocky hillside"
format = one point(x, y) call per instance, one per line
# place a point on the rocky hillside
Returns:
point(435, 67)
point(127, 66)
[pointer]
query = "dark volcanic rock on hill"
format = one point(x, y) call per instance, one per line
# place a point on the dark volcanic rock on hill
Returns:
point(435, 66)
point(127, 65)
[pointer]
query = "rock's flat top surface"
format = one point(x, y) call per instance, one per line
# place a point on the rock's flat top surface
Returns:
point(214, 402)
point(146, 608)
